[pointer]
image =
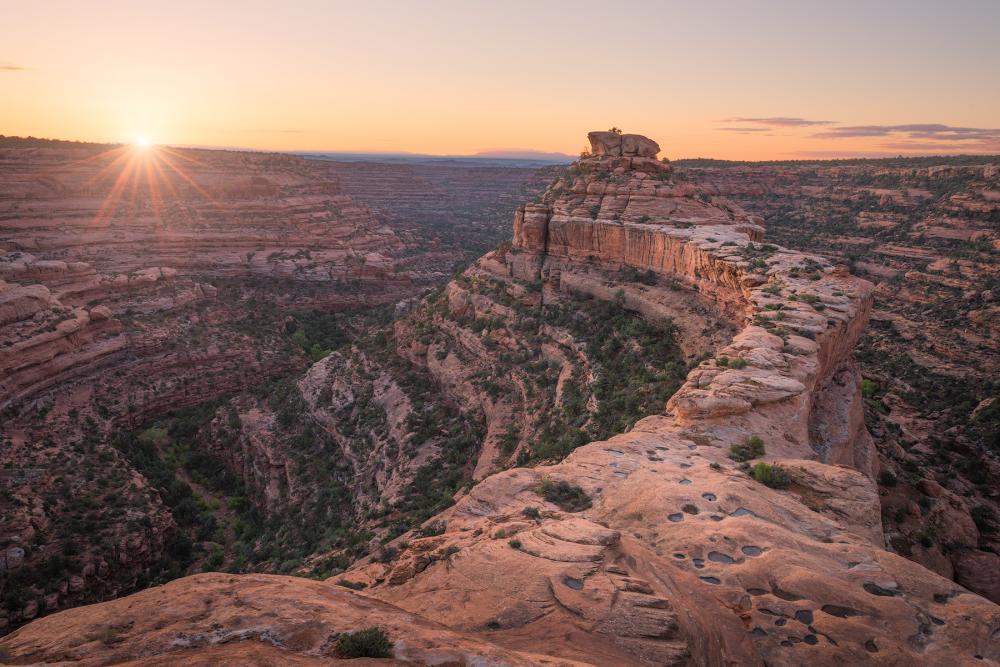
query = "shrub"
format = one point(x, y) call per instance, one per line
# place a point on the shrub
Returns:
point(985, 518)
point(867, 388)
point(353, 585)
point(531, 512)
point(436, 527)
point(771, 476)
point(738, 362)
point(569, 497)
point(515, 544)
point(752, 448)
point(367, 643)
point(887, 478)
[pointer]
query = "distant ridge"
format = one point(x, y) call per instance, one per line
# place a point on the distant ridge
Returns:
point(514, 158)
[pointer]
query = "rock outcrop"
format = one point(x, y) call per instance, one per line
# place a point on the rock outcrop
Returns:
point(658, 545)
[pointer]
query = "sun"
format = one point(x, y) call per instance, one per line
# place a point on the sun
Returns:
point(140, 142)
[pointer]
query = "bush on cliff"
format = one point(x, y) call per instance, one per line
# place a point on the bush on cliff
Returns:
point(750, 449)
point(367, 643)
point(772, 476)
point(569, 497)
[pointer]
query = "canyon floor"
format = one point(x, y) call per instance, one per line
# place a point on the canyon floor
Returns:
point(692, 413)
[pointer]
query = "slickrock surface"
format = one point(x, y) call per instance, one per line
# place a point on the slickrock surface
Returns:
point(220, 619)
point(659, 549)
point(925, 231)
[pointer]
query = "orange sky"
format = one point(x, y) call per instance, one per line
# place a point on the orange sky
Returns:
point(462, 77)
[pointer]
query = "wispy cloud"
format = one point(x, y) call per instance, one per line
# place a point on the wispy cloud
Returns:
point(10, 68)
point(921, 136)
point(779, 121)
point(935, 131)
point(745, 130)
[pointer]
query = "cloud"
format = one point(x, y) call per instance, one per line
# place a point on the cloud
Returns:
point(10, 68)
point(934, 131)
point(780, 121)
point(921, 136)
point(744, 130)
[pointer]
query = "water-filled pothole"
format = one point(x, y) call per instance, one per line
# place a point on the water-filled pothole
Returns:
point(676, 517)
point(575, 584)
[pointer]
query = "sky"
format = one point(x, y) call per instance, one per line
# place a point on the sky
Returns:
point(734, 80)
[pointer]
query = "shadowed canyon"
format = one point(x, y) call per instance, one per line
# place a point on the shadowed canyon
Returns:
point(620, 412)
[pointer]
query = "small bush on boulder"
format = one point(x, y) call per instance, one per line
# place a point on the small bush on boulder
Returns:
point(772, 476)
point(752, 448)
point(367, 643)
point(569, 497)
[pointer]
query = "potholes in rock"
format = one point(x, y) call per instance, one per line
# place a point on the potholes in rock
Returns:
point(698, 562)
point(677, 517)
point(804, 616)
point(784, 595)
point(684, 481)
point(575, 584)
point(716, 517)
point(715, 581)
point(689, 509)
point(756, 591)
point(621, 474)
point(719, 557)
point(875, 589)
point(811, 640)
point(684, 466)
point(781, 622)
point(758, 632)
point(751, 550)
point(741, 511)
point(679, 556)
point(871, 646)
point(840, 612)
point(710, 497)
point(615, 452)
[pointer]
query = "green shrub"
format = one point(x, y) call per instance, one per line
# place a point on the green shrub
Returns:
point(515, 544)
point(353, 585)
point(752, 448)
point(985, 518)
point(772, 476)
point(887, 478)
point(531, 512)
point(867, 388)
point(738, 362)
point(367, 643)
point(569, 497)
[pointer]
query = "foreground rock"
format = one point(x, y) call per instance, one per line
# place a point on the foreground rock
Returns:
point(219, 619)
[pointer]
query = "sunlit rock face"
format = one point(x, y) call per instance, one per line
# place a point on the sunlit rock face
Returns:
point(654, 546)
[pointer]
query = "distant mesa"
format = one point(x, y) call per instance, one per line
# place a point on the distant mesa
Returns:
point(617, 145)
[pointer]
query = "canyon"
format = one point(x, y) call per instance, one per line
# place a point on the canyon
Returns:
point(137, 282)
point(633, 435)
